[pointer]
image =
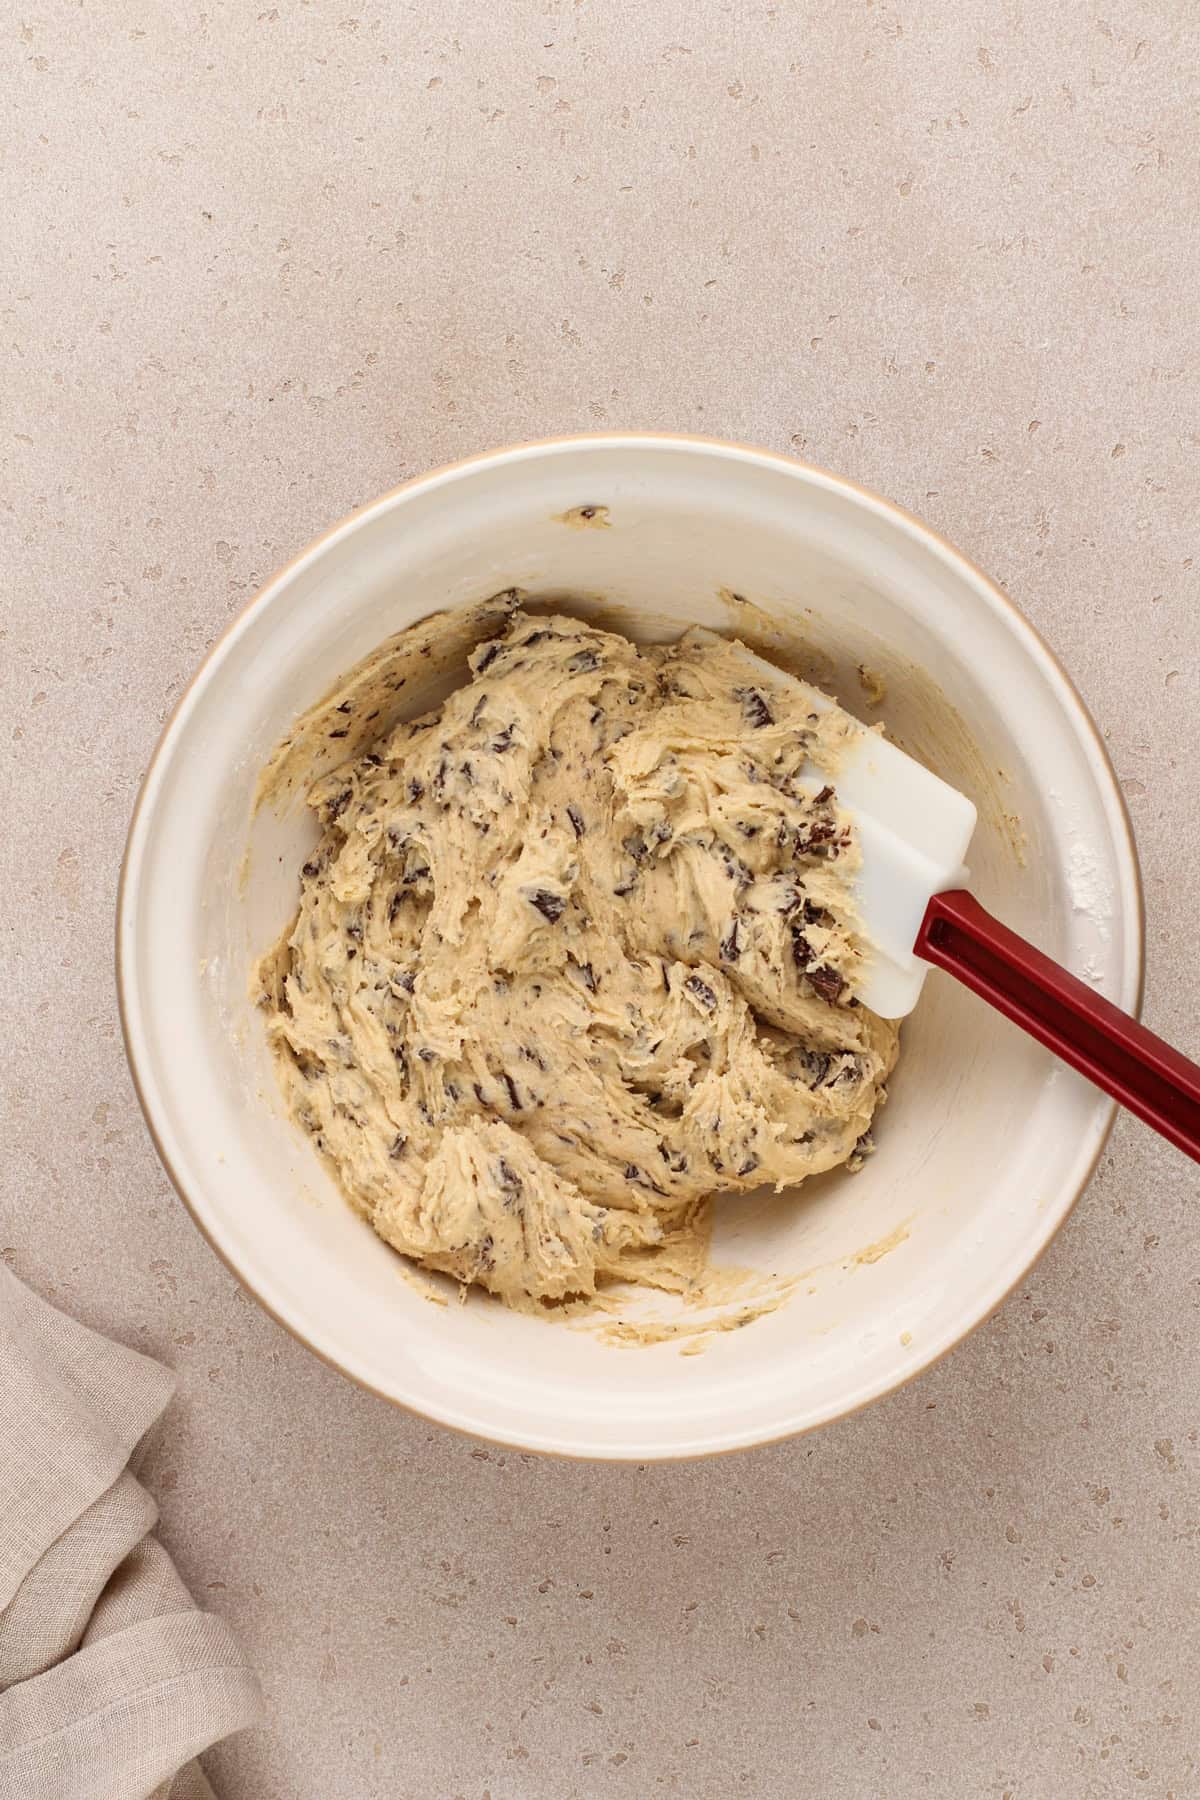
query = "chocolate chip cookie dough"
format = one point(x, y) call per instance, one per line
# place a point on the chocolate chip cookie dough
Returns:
point(574, 953)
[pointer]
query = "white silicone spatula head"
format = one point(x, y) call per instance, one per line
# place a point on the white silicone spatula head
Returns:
point(913, 830)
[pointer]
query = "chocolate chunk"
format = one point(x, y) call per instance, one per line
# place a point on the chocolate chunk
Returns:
point(576, 818)
point(338, 804)
point(373, 760)
point(406, 980)
point(862, 1149)
point(339, 734)
point(477, 713)
point(731, 943)
point(827, 982)
point(481, 1096)
point(755, 710)
point(586, 975)
point(749, 1166)
point(489, 656)
point(416, 790)
point(825, 794)
point(311, 868)
point(815, 841)
point(803, 954)
point(509, 1182)
point(551, 906)
point(816, 1065)
point(738, 872)
point(583, 662)
point(398, 1146)
point(513, 1096)
point(703, 993)
point(503, 741)
point(344, 707)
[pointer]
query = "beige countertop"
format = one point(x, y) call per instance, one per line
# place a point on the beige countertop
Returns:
point(262, 261)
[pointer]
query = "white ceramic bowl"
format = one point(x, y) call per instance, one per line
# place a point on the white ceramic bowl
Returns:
point(985, 1143)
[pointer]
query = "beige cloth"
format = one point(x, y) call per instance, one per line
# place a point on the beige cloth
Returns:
point(111, 1681)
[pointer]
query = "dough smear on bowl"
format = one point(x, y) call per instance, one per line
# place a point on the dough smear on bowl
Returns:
point(574, 953)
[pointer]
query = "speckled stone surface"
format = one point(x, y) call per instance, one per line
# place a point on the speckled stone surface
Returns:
point(263, 260)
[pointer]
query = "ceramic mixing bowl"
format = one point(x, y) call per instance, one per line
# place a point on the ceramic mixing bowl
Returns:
point(985, 1142)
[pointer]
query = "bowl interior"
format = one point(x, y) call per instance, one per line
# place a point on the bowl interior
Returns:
point(985, 1140)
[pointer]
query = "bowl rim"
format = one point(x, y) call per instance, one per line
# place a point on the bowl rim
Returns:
point(1133, 899)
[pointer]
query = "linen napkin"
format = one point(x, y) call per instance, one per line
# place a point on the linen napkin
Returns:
point(111, 1681)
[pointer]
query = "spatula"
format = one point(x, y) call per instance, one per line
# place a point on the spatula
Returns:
point(915, 911)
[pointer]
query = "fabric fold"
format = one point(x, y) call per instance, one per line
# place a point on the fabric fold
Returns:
point(49, 1612)
point(124, 1713)
point(111, 1681)
point(72, 1407)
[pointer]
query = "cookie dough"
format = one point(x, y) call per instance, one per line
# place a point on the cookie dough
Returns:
point(574, 952)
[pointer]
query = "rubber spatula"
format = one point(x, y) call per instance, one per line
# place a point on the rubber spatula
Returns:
point(915, 911)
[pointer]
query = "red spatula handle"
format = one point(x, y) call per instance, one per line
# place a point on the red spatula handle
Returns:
point(1119, 1055)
